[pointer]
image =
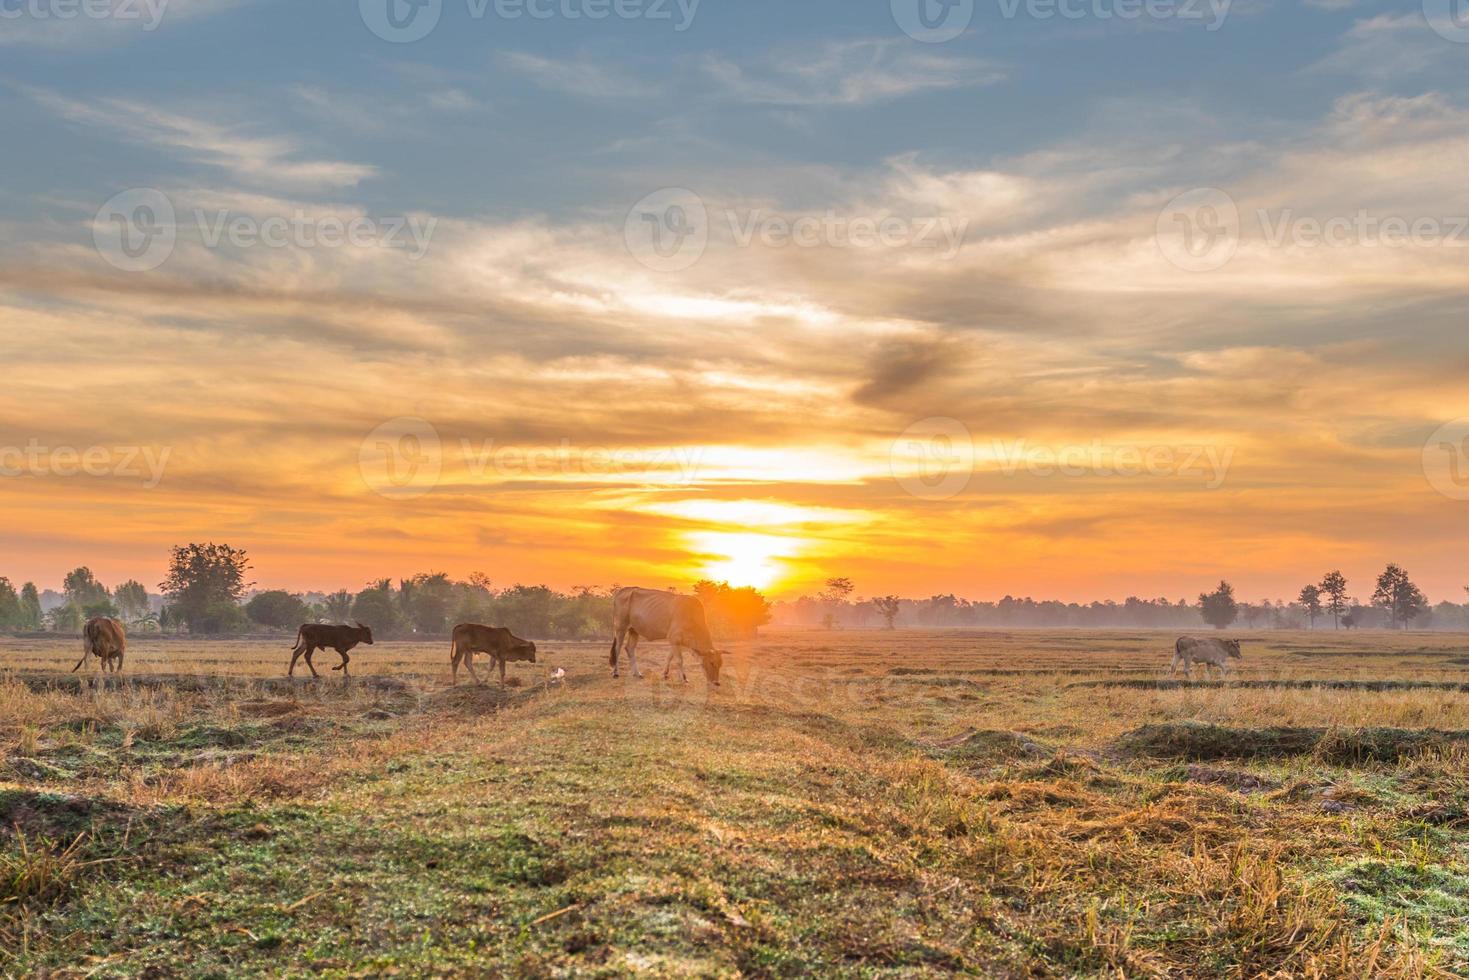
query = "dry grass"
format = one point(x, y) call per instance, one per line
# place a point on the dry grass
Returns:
point(849, 803)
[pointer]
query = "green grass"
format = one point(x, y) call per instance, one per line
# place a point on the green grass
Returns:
point(809, 819)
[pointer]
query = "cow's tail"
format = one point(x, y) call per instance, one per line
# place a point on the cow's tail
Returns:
point(300, 639)
point(612, 660)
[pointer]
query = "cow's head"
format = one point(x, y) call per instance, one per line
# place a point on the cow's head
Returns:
point(364, 633)
point(713, 663)
point(1233, 647)
point(521, 650)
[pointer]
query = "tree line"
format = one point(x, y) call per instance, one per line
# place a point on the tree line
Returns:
point(1394, 603)
point(207, 591)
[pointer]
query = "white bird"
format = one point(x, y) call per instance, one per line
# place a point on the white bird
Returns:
point(558, 676)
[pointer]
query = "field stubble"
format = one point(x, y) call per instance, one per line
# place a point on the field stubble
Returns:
point(848, 803)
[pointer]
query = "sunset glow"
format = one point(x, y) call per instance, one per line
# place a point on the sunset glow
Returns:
point(968, 351)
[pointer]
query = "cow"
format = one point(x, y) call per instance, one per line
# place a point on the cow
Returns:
point(647, 614)
point(1210, 651)
point(501, 644)
point(105, 639)
point(318, 636)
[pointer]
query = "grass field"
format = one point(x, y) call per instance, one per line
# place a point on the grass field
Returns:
point(1010, 804)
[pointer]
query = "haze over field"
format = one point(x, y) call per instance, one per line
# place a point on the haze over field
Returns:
point(1075, 307)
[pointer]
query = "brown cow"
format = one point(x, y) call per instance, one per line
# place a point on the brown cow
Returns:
point(647, 614)
point(105, 639)
point(318, 636)
point(497, 641)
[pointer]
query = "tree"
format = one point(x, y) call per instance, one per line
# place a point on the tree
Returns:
point(426, 601)
point(887, 607)
point(1311, 602)
point(205, 584)
point(338, 606)
point(1334, 587)
point(1218, 607)
point(82, 588)
point(1399, 596)
point(835, 596)
point(376, 607)
point(10, 612)
point(30, 607)
point(65, 618)
point(739, 612)
point(132, 600)
point(277, 609)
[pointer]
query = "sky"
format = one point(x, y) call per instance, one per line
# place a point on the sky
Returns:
point(1075, 299)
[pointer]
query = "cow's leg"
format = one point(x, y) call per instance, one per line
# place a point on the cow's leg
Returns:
point(675, 654)
point(310, 649)
point(501, 662)
point(630, 647)
point(117, 665)
point(295, 655)
point(343, 665)
point(454, 657)
point(469, 662)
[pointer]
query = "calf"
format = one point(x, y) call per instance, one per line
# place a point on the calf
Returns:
point(501, 644)
point(105, 639)
point(1210, 651)
point(317, 636)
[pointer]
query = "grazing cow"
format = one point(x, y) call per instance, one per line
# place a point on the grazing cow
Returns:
point(646, 614)
point(317, 636)
point(105, 639)
point(1210, 651)
point(497, 641)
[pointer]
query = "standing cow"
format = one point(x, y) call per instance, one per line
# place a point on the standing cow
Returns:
point(1210, 651)
point(501, 644)
point(105, 639)
point(646, 614)
point(317, 636)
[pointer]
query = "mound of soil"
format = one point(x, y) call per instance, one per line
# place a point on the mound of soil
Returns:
point(267, 709)
point(1201, 743)
point(60, 816)
point(990, 744)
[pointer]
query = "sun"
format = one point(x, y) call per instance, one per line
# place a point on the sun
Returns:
point(744, 559)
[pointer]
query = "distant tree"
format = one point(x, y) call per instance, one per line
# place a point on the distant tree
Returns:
point(30, 607)
point(738, 612)
point(65, 618)
point(377, 607)
point(205, 584)
point(82, 588)
point(1334, 588)
point(1311, 603)
point(132, 600)
point(277, 609)
point(835, 595)
point(1397, 594)
point(887, 607)
point(1218, 607)
point(10, 610)
point(338, 606)
point(425, 602)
